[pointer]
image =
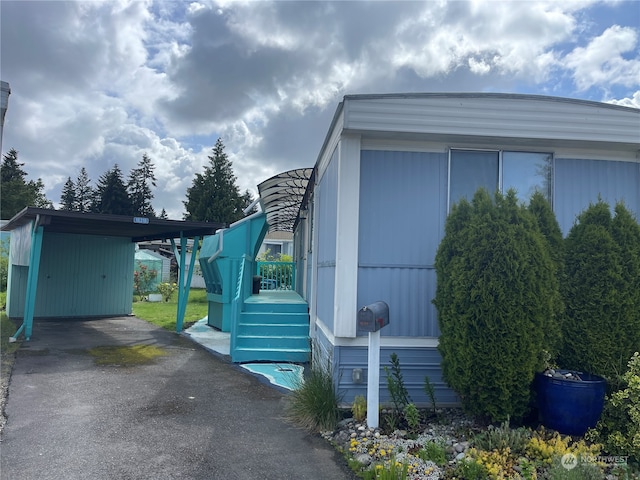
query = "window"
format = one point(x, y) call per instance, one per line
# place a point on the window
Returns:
point(275, 249)
point(469, 170)
point(526, 172)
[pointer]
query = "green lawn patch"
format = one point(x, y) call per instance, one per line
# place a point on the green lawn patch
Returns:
point(7, 329)
point(163, 314)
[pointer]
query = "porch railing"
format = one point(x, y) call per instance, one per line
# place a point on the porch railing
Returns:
point(277, 275)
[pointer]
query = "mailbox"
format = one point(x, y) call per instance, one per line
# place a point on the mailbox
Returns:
point(373, 317)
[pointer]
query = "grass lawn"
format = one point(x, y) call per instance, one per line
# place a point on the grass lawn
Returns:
point(163, 314)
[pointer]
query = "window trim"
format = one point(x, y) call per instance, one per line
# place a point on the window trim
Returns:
point(500, 152)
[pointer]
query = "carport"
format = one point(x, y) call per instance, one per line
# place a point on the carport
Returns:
point(70, 264)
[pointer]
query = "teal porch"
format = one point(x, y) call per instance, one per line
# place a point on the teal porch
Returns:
point(271, 324)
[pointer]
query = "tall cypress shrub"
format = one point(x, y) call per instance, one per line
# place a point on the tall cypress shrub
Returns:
point(601, 292)
point(626, 233)
point(548, 224)
point(496, 295)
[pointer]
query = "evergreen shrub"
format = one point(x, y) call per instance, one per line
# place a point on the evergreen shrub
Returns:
point(601, 328)
point(619, 427)
point(497, 297)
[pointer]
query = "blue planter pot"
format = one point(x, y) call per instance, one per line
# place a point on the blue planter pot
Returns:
point(570, 406)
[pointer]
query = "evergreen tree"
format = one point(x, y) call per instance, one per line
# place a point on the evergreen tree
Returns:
point(83, 191)
point(496, 295)
point(163, 215)
point(625, 230)
point(247, 199)
point(543, 214)
point(214, 195)
point(111, 194)
point(68, 200)
point(17, 193)
point(602, 291)
point(141, 180)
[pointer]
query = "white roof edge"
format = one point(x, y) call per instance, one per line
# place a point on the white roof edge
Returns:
point(481, 95)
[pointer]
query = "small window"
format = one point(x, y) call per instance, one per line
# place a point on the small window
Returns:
point(470, 170)
point(275, 249)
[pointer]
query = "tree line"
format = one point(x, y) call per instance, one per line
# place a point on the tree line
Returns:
point(213, 196)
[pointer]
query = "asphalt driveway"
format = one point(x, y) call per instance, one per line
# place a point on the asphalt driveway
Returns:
point(184, 414)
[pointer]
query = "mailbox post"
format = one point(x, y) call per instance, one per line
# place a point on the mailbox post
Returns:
point(371, 319)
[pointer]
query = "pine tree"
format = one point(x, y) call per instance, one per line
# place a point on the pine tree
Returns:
point(83, 191)
point(141, 180)
point(247, 200)
point(68, 200)
point(214, 195)
point(111, 194)
point(17, 193)
point(163, 215)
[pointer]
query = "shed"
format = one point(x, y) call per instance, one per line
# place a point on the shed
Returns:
point(391, 166)
point(69, 264)
point(152, 262)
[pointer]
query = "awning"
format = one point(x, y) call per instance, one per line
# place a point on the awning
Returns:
point(281, 196)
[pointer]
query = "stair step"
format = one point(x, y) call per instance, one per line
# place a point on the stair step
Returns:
point(272, 342)
point(250, 307)
point(280, 329)
point(252, 354)
point(274, 317)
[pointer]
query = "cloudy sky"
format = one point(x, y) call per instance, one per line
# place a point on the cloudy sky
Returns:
point(97, 83)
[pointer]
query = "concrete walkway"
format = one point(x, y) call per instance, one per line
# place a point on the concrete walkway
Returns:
point(186, 414)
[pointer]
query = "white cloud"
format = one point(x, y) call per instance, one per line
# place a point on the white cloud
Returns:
point(96, 83)
point(633, 101)
point(602, 62)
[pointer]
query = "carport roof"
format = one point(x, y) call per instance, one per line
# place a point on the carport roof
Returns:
point(137, 228)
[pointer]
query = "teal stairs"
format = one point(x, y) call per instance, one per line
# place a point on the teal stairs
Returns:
point(272, 327)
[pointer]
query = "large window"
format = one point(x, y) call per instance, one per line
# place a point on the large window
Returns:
point(525, 172)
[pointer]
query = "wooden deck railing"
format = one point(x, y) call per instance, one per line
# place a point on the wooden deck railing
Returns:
point(277, 275)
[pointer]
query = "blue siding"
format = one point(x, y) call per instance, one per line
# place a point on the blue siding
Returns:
point(415, 363)
point(408, 292)
point(80, 275)
point(327, 207)
point(579, 182)
point(403, 201)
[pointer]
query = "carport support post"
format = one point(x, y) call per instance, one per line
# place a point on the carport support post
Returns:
point(32, 279)
point(184, 287)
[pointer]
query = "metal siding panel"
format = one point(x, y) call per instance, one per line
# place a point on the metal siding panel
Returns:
point(326, 292)
point(403, 206)
point(493, 116)
point(396, 264)
point(579, 182)
point(326, 196)
point(415, 363)
point(85, 275)
point(17, 290)
point(408, 292)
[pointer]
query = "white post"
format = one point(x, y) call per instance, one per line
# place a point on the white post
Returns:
point(373, 379)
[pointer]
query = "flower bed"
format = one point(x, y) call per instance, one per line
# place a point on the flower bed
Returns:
point(451, 446)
